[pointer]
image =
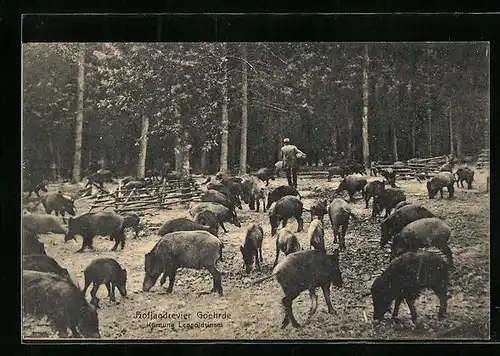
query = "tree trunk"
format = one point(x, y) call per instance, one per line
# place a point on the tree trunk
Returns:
point(452, 150)
point(349, 131)
point(204, 161)
point(244, 112)
point(225, 118)
point(77, 158)
point(458, 138)
point(141, 165)
point(186, 147)
point(394, 142)
point(411, 105)
point(178, 151)
point(429, 118)
point(53, 165)
point(366, 142)
point(413, 137)
point(334, 141)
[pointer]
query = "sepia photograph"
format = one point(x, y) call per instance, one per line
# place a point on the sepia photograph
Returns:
point(255, 191)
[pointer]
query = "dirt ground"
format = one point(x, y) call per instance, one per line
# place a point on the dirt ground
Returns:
point(249, 311)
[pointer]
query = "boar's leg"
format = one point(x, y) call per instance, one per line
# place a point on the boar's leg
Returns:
point(93, 293)
point(447, 252)
point(85, 242)
point(264, 204)
point(300, 222)
point(410, 301)
point(451, 190)
point(117, 241)
point(277, 252)
point(260, 253)
point(335, 233)
point(222, 225)
point(74, 330)
point(314, 302)
point(257, 263)
point(441, 192)
point(111, 291)
point(395, 312)
point(442, 291)
point(171, 279)
point(287, 303)
point(217, 280)
point(163, 279)
point(257, 204)
point(62, 329)
point(326, 293)
point(136, 229)
point(342, 235)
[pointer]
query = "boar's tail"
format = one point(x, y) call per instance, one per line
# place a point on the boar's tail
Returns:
point(260, 280)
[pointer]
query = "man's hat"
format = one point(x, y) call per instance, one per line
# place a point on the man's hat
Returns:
point(286, 140)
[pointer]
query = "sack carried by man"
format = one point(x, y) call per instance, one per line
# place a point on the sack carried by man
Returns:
point(300, 155)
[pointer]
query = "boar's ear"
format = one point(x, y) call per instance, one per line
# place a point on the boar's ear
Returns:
point(242, 249)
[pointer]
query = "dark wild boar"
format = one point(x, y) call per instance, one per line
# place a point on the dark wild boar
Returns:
point(319, 209)
point(253, 191)
point(279, 193)
point(440, 181)
point(223, 214)
point(47, 294)
point(209, 219)
point(31, 245)
point(306, 270)
point(252, 247)
point(372, 190)
point(182, 249)
point(426, 232)
point(287, 243)
point(405, 278)
point(390, 175)
point(399, 219)
point(60, 204)
point(264, 174)
point(131, 221)
point(465, 174)
point(42, 224)
point(102, 223)
point(339, 212)
point(44, 263)
point(387, 199)
point(316, 235)
point(351, 184)
point(284, 209)
point(105, 271)
point(183, 224)
point(217, 197)
point(401, 204)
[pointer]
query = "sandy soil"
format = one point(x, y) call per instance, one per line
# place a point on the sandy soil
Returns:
point(254, 312)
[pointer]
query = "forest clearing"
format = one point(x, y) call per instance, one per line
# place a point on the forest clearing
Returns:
point(255, 311)
point(116, 133)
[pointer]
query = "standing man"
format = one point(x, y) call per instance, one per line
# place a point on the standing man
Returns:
point(290, 161)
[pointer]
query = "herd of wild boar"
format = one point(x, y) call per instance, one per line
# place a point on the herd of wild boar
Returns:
point(195, 243)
